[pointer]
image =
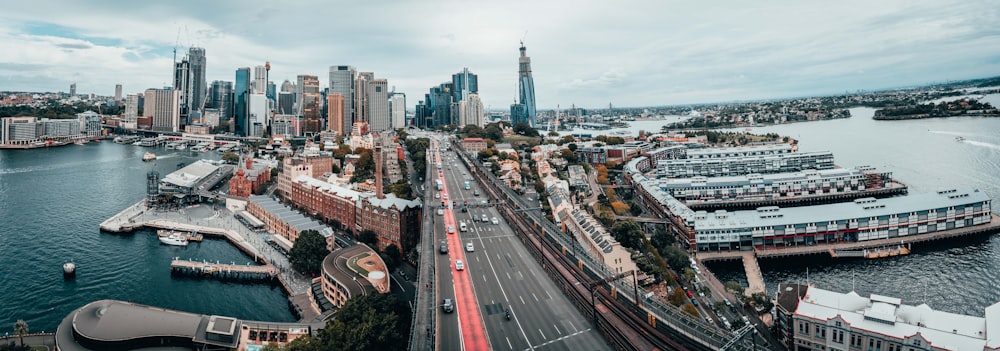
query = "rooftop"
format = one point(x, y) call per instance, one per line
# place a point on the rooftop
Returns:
point(291, 217)
point(762, 179)
point(342, 265)
point(190, 175)
point(860, 208)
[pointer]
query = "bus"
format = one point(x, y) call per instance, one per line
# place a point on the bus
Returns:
point(467, 185)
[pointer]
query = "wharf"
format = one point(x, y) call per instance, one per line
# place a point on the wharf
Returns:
point(755, 279)
point(990, 228)
point(892, 189)
point(223, 271)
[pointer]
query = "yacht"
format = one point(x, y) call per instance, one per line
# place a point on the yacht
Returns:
point(176, 239)
point(149, 156)
point(959, 139)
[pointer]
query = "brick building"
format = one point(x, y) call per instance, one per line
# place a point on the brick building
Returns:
point(249, 178)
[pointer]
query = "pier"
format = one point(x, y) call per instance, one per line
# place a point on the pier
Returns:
point(755, 279)
point(892, 189)
point(222, 271)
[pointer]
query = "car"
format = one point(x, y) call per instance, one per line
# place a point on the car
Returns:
point(444, 196)
point(494, 220)
point(448, 306)
point(709, 320)
point(469, 247)
point(475, 193)
point(690, 295)
point(451, 229)
point(437, 196)
point(444, 248)
point(485, 219)
point(459, 265)
point(465, 209)
point(440, 212)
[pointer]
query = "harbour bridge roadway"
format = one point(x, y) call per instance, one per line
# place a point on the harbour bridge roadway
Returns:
point(499, 275)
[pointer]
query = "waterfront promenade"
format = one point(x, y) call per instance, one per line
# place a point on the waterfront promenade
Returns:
point(219, 223)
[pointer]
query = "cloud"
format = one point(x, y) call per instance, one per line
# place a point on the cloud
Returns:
point(655, 53)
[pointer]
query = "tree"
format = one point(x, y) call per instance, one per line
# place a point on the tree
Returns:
point(553, 134)
point(735, 287)
point(231, 157)
point(566, 139)
point(522, 128)
point(572, 146)
point(628, 233)
point(689, 308)
point(21, 329)
point(493, 131)
point(369, 237)
point(675, 257)
point(677, 297)
point(568, 155)
point(305, 343)
point(392, 256)
point(308, 252)
point(472, 131)
point(370, 322)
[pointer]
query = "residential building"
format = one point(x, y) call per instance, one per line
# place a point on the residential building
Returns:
point(343, 278)
point(592, 155)
point(828, 320)
point(163, 106)
point(335, 114)
point(131, 108)
point(474, 145)
point(578, 177)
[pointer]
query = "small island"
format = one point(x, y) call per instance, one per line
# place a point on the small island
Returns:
point(931, 110)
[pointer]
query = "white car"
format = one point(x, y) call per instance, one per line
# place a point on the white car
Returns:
point(437, 196)
point(495, 221)
point(451, 229)
point(485, 219)
point(469, 247)
point(440, 212)
point(459, 265)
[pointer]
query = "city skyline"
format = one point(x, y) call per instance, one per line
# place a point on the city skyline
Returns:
point(657, 54)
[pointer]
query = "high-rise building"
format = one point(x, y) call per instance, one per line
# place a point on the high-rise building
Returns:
point(72, 89)
point(378, 105)
point(118, 92)
point(257, 113)
point(465, 83)
point(241, 92)
point(197, 85)
point(287, 86)
point(131, 107)
point(397, 110)
point(526, 86)
point(286, 103)
point(440, 104)
point(221, 98)
point(361, 96)
point(163, 105)
point(308, 96)
point(518, 113)
point(272, 91)
point(335, 113)
point(342, 83)
point(259, 79)
point(474, 113)
point(182, 83)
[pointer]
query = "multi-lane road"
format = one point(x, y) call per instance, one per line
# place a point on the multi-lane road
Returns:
point(499, 275)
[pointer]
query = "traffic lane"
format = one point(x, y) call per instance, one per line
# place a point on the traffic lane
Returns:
point(546, 315)
point(449, 334)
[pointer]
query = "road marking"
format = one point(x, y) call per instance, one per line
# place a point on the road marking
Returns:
point(522, 299)
point(508, 343)
point(557, 329)
point(557, 339)
point(508, 276)
point(484, 278)
point(571, 325)
point(536, 297)
point(547, 294)
point(543, 334)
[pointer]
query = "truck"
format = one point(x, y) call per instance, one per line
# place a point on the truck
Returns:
point(467, 185)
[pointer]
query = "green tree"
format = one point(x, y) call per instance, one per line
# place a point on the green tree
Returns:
point(231, 157)
point(735, 287)
point(371, 322)
point(392, 257)
point(568, 155)
point(472, 131)
point(305, 343)
point(271, 347)
point(553, 134)
point(522, 128)
point(369, 237)
point(675, 257)
point(689, 308)
point(677, 297)
point(493, 131)
point(308, 252)
point(628, 233)
point(21, 329)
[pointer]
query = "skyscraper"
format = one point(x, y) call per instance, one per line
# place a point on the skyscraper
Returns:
point(308, 96)
point(259, 79)
point(465, 83)
point(118, 92)
point(342, 83)
point(286, 103)
point(473, 114)
point(222, 98)
point(241, 91)
point(440, 104)
point(335, 113)
point(131, 107)
point(182, 83)
point(361, 96)
point(378, 105)
point(397, 110)
point(526, 86)
point(163, 105)
point(272, 91)
point(72, 89)
point(197, 85)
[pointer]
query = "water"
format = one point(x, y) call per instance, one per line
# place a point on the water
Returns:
point(51, 203)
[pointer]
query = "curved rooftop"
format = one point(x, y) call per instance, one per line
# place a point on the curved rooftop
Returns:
point(353, 266)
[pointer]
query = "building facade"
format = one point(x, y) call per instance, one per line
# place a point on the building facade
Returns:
point(741, 165)
point(341, 281)
point(333, 203)
point(474, 145)
point(241, 95)
point(526, 86)
point(397, 110)
point(249, 179)
point(308, 96)
point(377, 98)
point(335, 114)
point(395, 221)
point(775, 185)
point(221, 98)
point(163, 106)
point(342, 83)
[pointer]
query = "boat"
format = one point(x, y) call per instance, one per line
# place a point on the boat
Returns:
point(959, 139)
point(149, 156)
point(176, 239)
point(69, 269)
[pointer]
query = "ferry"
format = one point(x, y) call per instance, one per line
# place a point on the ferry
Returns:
point(149, 156)
point(175, 239)
point(959, 139)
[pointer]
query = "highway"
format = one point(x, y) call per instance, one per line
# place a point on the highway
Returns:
point(502, 275)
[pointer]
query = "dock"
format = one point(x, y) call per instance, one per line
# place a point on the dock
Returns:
point(222, 271)
point(754, 278)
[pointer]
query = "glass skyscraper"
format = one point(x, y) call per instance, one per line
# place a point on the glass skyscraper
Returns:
point(526, 87)
point(465, 83)
point(241, 92)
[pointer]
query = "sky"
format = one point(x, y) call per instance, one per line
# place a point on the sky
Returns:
point(587, 53)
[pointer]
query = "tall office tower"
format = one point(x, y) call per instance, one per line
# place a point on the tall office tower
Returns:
point(526, 86)
point(378, 105)
point(118, 92)
point(518, 113)
point(286, 103)
point(163, 105)
point(197, 85)
point(342, 83)
point(131, 107)
point(288, 86)
point(221, 98)
point(182, 83)
point(465, 83)
point(308, 96)
point(474, 112)
point(272, 91)
point(420, 115)
point(72, 89)
point(258, 113)
point(441, 104)
point(241, 91)
point(397, 110)
point(259, 79)
point(335, 113)
point(361, 96)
